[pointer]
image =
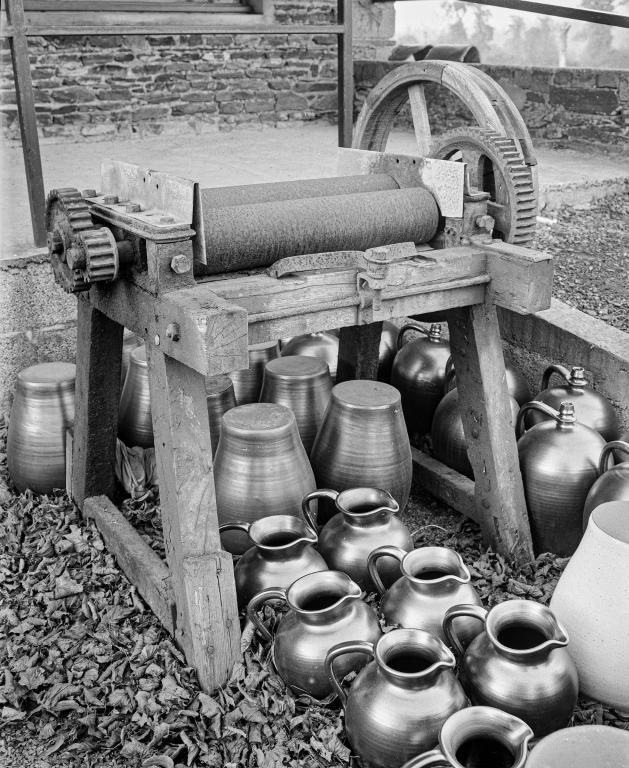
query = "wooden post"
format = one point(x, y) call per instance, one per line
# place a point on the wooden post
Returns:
point(206, 625)
point(28, 119)
point(358, 352)
point(345, 74)
point(98, 361)
point(489, 430)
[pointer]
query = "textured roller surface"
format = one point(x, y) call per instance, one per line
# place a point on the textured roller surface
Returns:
point(249, 236)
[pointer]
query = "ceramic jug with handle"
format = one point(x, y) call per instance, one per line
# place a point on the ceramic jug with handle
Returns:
point(613, 482)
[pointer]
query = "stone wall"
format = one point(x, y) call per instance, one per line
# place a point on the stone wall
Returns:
point(569, 107)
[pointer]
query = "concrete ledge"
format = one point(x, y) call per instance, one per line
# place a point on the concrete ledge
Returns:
point(580, 193)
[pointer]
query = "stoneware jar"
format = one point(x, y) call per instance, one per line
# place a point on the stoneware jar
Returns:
point(130, 341)
point(419, 373)
point(260, 468)
point(387, 351)
point(365, 519)
point(220, 399)
point(362, 442)
point(135, 421)
point(248, 383)
point(592, 409)
point(583, 746)
point(479, 737)
point(283, 550)
point(398, 703)
point(325, 609)
point(612, 483)
point(302, 384)
point(559, 464)
point(516, 383)
point(433, 580)
point(324, 345)
point(591, 600)
point(42, 411)
point(519, 663)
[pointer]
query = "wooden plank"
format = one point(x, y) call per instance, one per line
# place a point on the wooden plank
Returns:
point(358, 352)
point(202, 576)
point(28, 120)
point(98, 361)
point(143, 6)
point(484, 403)
point(419, 113)
point(445, 484)
point(521, 278)
point(345, 74)
point(141, 564)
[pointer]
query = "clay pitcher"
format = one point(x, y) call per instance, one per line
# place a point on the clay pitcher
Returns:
point(478, 737)
point(324, 345)
point(612, 483)
point(248, 383)
point(325, 609)
point(398, 703)
point(419, 374)
point(135, 422)
point(220, 399)
point(365, 519)
point(260, 468)
point(302, 384)
point(363, 442)
point(433, 580)
point(282, 551)
point(42, 411)
point(591, 600)
point(519, 663)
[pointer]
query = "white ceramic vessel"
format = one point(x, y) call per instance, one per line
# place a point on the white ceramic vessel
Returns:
point(591, 600)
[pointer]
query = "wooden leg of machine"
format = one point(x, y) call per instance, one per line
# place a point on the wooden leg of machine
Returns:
point(98, 360)
point(202, 575)
point(358, 352)
point(484, 403)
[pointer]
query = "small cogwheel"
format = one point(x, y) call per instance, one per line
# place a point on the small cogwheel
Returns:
point(67, 216)
point(495, 164)
point(101, 254)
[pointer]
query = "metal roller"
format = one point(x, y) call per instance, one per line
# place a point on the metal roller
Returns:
point(221, 197)
point(248, 236)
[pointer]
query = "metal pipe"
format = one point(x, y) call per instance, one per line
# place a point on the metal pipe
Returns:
point(249, 236)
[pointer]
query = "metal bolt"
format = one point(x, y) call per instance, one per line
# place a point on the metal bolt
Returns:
point(88, 193)
point(181, 263)
point(484, 222)
point(157, 339)
point(172, 331)
point(133, 207)
point(167, 220)
point(110, 199)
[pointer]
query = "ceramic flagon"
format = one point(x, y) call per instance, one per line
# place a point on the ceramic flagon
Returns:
point(398, 703)
point(324, 345)
point(613, 482)
point(135, 420)
point(516, 383)
point(325, 609)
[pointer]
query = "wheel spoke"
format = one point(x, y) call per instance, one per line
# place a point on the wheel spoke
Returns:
point(419, 112)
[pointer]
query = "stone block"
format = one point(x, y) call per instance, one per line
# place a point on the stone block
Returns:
point(290, 101)
point(588, 101)
point(149, 112)
point(260, 105)
point(231, 108)
point(608, 79)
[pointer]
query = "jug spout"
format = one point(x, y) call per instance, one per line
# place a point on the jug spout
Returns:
point(523, 630)
point(323, 597)
point(364, 506)
point(412, 658)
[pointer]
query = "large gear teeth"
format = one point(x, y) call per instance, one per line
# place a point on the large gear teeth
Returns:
point(74, 207)
point(101, 255)
point(67, 217)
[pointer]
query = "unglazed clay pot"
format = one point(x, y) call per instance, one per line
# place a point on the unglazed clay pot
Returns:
point(433, 580)
point(366, 517)
point(302, 384)
point(220, 399)
point(583, 746)
point(324, 345)
point(135, 421)
point(398, 703)
point(479, 737)
point(325, 609)
point(591, 600)
point(363, 442)
point(591, 408)
point(516, 383)
point(248, 383)
point(559, 464)
point(260, 468)
point(419, 374)
point(612, 483)
point(518, 664)
point(283, 551)
point(42, 411)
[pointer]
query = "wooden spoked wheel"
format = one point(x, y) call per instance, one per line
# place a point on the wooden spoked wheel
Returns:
point(497, 150)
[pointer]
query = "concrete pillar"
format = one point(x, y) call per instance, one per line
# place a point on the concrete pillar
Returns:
point(373, 29)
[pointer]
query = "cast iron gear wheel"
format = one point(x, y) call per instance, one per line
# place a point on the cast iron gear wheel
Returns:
point(495, 164)
point(101, 254)
point(67, 216)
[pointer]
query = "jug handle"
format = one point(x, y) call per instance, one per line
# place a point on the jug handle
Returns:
point(372, 563)
point(244, 527)
point(321, 493)
point(473, 611)
point(429, 759)
point(402, 331)
point(554, 368)
point(357, 646)
point(533, 405)
point(256, 602)
point(613, 445)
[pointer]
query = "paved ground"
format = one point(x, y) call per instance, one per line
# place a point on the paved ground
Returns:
point(240, 157)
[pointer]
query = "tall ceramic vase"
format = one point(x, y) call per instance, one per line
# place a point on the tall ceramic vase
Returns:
point(135, 422)
point(592, 601)
point(248, 383)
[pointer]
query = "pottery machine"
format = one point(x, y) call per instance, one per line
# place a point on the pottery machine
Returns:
point(200, 273)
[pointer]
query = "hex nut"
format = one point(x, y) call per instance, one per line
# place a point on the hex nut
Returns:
point(133, 207)
point(181, 263)
point(172, 331)
point(110, 199)
point(88, 193)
